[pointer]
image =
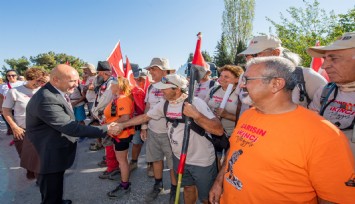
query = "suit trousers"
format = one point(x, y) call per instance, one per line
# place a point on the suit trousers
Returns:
point(51, 187)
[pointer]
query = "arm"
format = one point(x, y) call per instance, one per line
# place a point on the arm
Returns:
point(217, 188)
point(19, 133)
point(134, 121)
point(213, 126)
point(222, 113)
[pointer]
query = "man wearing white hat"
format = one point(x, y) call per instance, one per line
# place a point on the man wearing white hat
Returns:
point(268, 45)
point(336, 101)
point(90, 74)
point(200, 169)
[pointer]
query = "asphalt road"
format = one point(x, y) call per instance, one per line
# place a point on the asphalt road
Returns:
point(81, 183)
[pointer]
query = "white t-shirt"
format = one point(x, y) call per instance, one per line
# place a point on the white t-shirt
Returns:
point(90, 94)
point(200, 151)
point(17, 99)
point(340, 112)
point(5, 88)
point(76, 95)
point(153, 97)
point(231, 106)
point(201, 89)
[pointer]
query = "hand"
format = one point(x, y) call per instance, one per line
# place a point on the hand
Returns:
point(215, 193)
point(114, 129)
point(144, 134)
point(18, 132)
point(191, 111)
point(220, 112)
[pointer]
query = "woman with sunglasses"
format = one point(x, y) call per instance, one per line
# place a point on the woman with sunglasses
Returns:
point(10, 82)
point(120, 110)
point(16, 100)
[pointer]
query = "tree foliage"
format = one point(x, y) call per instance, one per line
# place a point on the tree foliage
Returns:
point(305, 27)
point(237, 23)
point(46, 61)
point(222, 56)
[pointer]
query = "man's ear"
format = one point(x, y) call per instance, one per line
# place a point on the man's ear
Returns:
point(277, 84)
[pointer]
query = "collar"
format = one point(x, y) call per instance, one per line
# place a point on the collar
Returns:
point(349, 87)
point(61, 92)
point(180, 99)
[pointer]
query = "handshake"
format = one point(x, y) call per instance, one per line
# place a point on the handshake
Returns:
point(114, 129)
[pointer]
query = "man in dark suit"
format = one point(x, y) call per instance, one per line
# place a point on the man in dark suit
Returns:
point(51, 132)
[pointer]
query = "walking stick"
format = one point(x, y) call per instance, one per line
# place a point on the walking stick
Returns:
point(197, 72)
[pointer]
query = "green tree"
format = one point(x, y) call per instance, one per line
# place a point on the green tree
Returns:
point(240, 60)
point(237, 23)
point(20, 65)
point(306, 26)
point(221, 56)
point(345, 24)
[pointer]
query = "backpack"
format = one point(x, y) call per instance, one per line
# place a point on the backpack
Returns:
point(212, 83)
point(326, 92)
point(301, 84)
point(219, 142)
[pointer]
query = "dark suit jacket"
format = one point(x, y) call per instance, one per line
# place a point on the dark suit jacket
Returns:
point(48, 117)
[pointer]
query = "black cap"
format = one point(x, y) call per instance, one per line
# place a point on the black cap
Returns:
point(103, 66)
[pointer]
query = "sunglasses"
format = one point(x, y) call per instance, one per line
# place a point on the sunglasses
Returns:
point(11, 75)
point(113, 108)
point(165, 80)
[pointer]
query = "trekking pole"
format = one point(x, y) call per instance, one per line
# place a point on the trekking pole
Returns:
point(197, 72)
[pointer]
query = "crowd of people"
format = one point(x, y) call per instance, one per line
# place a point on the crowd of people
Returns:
point(291, 133)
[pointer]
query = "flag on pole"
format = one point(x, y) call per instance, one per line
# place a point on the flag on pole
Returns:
point(146, 84)
point(198, 61)
point(116, 61)
point(316, 65)
point(129, 74)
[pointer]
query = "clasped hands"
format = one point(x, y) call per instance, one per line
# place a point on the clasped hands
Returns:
point(114, 129)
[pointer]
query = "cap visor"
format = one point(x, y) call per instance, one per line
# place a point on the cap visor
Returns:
point(251, 51)
point(161, 85)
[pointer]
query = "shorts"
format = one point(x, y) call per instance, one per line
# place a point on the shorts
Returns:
point(158, 146)
point(137, 138)
point(123, 143)
point(202, 177)
point(79, 112)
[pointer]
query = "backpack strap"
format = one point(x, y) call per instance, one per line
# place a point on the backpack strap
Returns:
point(214, 90)
point(237, 112)
point(196, 128)
point(326, 92)
point(301, 84)
point(212, 83)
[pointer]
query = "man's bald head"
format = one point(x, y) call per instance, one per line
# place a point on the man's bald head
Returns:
point(64, 77)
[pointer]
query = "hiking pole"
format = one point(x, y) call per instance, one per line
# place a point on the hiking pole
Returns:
point(197, 72)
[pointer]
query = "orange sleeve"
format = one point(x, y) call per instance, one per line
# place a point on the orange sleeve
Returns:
point(326, 176)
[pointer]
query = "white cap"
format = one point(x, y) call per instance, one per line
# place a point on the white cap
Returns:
point(172, 81)
point(261, 43)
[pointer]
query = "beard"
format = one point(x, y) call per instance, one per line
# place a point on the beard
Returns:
point(99, 80)
point(245, 98)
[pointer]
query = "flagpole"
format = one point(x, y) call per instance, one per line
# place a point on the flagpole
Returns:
point(196, 73)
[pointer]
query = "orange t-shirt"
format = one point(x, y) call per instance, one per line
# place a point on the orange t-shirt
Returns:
point(124, 106)
point(287, 158)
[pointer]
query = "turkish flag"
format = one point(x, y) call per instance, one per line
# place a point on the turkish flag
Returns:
point(198, 61)
point(316, 65)
point(129, 74)
point(116, 61)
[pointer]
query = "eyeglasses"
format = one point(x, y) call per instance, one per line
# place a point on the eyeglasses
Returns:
point(246, 79)
point(165, 80)
point(11, 75)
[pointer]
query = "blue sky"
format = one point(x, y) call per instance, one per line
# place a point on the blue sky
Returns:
point(89, 29)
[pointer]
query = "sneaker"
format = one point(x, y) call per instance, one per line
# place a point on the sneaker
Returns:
point(150, 171)
point(106, 174)
point(132, 166)
point(152, 195)
point(102, 163)
point(118, 192)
